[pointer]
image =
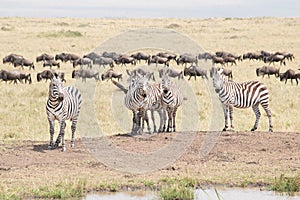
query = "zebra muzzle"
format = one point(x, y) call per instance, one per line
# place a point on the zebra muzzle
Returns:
point(60, 97)
point(217, 90)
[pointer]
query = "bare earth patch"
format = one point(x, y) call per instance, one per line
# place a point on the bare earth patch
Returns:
point(238, 159)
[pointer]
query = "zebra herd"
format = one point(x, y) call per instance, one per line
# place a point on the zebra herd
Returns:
point(164, 97)
point(141, 96)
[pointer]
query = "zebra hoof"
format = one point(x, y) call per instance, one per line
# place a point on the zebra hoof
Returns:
point(63, 149)
point(224, 129)
point(271, 130)
point(253, 129)
point(50, 147)
point(72, 145)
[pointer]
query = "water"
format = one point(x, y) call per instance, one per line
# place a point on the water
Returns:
point(208, 194)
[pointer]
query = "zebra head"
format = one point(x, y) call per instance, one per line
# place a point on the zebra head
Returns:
point(218, 80)
point(55, 89)
point(165, 83)
point(142, 86)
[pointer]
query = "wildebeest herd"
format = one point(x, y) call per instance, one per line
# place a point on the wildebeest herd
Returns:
point(112, 59)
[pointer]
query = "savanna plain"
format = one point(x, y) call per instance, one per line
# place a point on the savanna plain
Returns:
point(240, 158)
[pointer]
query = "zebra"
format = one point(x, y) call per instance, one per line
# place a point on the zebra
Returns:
point(141, 97)
point(241, 95)
point(171, 100)
point(63, 104)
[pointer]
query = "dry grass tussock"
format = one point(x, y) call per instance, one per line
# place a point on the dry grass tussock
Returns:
point(23, 115)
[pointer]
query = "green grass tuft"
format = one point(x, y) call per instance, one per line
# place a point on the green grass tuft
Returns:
point(286, 184)
point(61, 33)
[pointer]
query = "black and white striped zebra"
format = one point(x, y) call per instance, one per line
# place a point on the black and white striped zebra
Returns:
point(141, 97)
point(63, 104)
point(171, 100)
point(241, 95)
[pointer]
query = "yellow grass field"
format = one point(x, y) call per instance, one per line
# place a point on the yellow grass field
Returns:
point(23, 114)
point(242, 158)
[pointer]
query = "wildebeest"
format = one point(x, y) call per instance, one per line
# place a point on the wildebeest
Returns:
point(124, 59)
point(11, 58)
point(109, 74)
point(23, 62)
point(206, 56)
point(218, 60)
point(112, 55)
point(267, 70)
point(82, 61)
point(169, 55)
point(104, 61)
point(289, 74)
point(225, 71)
point(93, 56)
point(229, 59)
point(140, 56)
point(86, 73)
point(65, 57)
point(158, 60)
point(171, 73)
point(51, 63)
point(15, 75)
point(195, 71)
point(43, 57)
point(275, 58)
point(286, 55)
point(187, 58)
point(252, 56)
point(48, 74)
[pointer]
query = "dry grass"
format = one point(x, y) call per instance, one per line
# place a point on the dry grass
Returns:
point(23, 114)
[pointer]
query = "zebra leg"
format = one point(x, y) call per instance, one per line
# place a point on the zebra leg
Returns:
point(225, 110)
point(162, 115)
point(257, 114)
point(58, 140)
point(62, 133)
point(153, 121)
point(174, 116)
point(73, 129)
point(268, 111)
point(134, 116)
point(51, 124)
point(231, 117)
point(139, 118)
point(169, 129)
point(146, 118)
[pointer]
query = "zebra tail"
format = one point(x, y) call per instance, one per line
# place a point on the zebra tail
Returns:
point(120, 86)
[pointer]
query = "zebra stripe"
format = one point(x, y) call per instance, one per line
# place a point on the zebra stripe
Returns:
point(242, 95)
point(63, 104)
point(171, 100)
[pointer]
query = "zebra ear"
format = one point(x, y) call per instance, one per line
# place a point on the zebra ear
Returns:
point(128, 72)
point(220, 71)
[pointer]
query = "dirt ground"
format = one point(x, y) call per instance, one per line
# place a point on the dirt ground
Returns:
point(237, 159)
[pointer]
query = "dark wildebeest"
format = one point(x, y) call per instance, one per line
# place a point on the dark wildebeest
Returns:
point(112, 55)
point(226, 72)
point(104, 61)
point(109, 74)
point(23, 62)
point(82, 61)
point(51, 63)
point(65, 57)
point(275, 58)
point(140, 56)
point(171, 73)
point(169, 55)
point(43, 57)
point(187, 58)
point(289, 74)
point(267, 70)
point(86, 73)
point(158, 60)
point(124, 59)
point(93, 56)
point(206, 56)
point(288, 56)
point(11, 58)
point(15, 75)
point(252, 56)
point(48, 74)
point(218, 60)
point(229, 59)
point(195, 71)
